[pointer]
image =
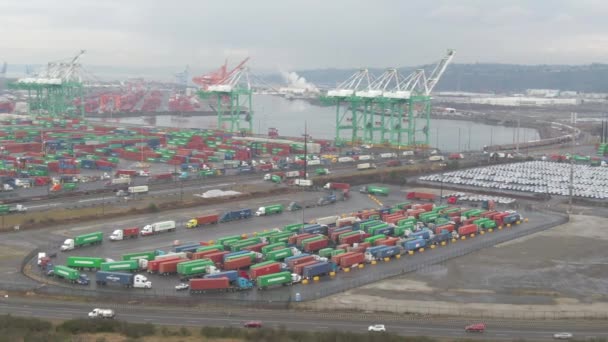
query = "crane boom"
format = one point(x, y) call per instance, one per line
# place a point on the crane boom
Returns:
point(438, 71)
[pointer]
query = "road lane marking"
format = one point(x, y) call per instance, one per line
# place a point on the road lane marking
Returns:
point(91, 199)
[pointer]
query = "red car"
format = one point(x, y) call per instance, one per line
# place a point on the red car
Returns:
point(477, 327)
point(253, 324)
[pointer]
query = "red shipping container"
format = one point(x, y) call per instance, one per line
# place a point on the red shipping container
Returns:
point(294, 262)
point(217, 257)
point(390, 241)
point(209, 284)
point(203, 254)
point(167, 267)
point(353, 259)
point(316, 245)
point(256, 247)
point(448, 227)
point(293, 240)
point(153, 264)
point(237, 263)
point(264, 270)
point(467, 229)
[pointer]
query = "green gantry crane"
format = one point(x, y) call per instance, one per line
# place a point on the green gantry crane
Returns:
point(384, 110)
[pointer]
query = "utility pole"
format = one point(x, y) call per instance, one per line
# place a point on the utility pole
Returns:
point(305, 163)
point(459, 140)
point(573, 122)
point(517, 146)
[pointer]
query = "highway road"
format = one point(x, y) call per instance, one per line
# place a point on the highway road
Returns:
point(308, 321)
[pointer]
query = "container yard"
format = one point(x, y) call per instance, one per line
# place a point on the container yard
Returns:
point(289, 257)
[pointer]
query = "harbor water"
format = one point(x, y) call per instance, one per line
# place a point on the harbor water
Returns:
point(290, 116)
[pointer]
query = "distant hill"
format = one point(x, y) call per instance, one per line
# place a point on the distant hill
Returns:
point(501, 78)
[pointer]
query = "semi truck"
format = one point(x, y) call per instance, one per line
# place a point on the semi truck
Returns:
point(158, 227)
point(125, 233)
point(69, 274)
point(337, 186)
point(420, 196)
point(269, 210)
point(203, 220)
point(281, 278)
point(102, 313)
point(233, 215)
point(365, 166)
point(125, 279)
point(82, 240)
point(6, 209)
point(219, 284)
point(132, 190)
point(374, 190)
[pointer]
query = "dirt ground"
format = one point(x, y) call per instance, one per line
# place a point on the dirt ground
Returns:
point(561, 272)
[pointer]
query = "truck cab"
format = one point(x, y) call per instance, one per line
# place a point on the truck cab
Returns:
point(142, 282)
point(117, 235)
point(68, 245)
point(83, 279)
point(102, 313)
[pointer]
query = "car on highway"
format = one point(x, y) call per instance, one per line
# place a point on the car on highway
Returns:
point(477, 327)
point(377, 328)
point(562, 336)
point(253, 324)
point(181, 287)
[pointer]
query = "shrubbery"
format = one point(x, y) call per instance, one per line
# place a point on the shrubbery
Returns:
point(79, 326)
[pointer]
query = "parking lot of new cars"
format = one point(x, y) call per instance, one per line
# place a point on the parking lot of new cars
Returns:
point(541, 177)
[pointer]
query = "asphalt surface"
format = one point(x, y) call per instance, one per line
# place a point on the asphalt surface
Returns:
point(164, 285)
point(309, 321)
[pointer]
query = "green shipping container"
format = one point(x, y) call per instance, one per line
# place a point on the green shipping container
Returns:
point(211, 247)
point(65, 272)
point(374, 238)
point(337, 252)
point(239, 245)
point(88, 239)
point(125, 265)
point(252, 255)
point(270, 247)
point(278, 254)
point(226, 240)
point(365, 225)
point(188, 268)
point(293, 227)
point(274, 279)
point(140, 255)
point(282, 237)
point(325, 252)
point(262, 264)
point(84, 262)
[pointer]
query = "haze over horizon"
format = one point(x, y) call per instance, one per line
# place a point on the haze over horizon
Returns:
point(280, 35)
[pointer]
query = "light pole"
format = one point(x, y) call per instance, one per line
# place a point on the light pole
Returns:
point(305, 164)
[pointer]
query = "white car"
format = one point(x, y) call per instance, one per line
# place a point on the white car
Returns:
point(377, 328)
point(562, 336)
point(182, 286)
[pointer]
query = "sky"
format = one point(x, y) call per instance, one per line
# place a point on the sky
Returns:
point(299, 35)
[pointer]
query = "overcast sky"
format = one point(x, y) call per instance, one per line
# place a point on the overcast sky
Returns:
point(288, 35)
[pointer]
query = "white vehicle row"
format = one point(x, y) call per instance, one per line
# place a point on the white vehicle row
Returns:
point(480, 198)
point(541, 177)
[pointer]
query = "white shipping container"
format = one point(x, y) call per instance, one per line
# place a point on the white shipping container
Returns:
point(436, 158)
point(345, 160)
point(138, 189)
point(388, 155)
point(314, 162)
point(365, 157)
point(327, 220)
point(408, 153)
